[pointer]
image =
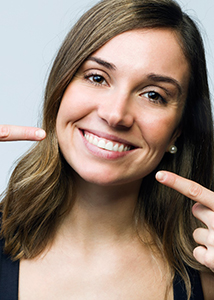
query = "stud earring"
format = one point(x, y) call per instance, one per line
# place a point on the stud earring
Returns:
point(173, 149)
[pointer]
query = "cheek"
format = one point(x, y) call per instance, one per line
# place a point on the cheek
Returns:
point(75, 104)
point(158, 129)
point(70, 110)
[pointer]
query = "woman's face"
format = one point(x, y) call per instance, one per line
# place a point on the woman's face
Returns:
point(121, 112)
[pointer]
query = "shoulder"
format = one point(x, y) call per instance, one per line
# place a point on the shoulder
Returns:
point(207, 281)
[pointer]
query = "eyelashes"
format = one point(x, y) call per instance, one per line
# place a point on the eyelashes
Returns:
point(96, 79)
point(155, 97)
point(99, 80)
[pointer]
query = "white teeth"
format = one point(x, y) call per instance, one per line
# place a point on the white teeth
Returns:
point(101, 144)
point(121, 148)
point(105, 144)
point(115, 148)
point(95, 141)
point(109, 146)
point(90, 139)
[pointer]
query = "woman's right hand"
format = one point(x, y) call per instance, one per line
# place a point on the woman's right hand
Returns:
point(21, 133)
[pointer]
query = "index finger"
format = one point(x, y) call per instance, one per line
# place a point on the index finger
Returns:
point(21, 133)
point(187, 187)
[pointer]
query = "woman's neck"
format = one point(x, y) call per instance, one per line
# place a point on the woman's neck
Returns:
point(101, 213)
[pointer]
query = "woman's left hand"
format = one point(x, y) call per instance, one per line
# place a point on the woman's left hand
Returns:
point(203, 209)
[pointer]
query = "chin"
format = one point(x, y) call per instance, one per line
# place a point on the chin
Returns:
point(105, 179)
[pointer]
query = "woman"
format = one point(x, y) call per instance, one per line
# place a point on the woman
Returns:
point(83, 216)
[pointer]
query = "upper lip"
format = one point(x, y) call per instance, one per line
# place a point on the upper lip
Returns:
point(109, 137)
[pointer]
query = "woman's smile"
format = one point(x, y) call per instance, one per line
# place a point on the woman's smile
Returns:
point(106, 143)
point(105, 146)
point(120, 114)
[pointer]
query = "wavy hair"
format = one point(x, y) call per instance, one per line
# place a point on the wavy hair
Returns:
point(39, 190)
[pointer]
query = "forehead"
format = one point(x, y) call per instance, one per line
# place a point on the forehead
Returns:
point(147, 50)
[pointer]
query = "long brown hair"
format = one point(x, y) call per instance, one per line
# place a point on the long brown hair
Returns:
point(37, 194)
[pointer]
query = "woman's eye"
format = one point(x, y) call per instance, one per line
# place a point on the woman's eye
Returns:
point(154, 97)
point(96, 79)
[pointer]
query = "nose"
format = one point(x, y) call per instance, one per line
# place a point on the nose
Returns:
point(116, 110)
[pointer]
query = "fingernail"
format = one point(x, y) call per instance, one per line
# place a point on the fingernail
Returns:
point(160, 176)
point(40, 133)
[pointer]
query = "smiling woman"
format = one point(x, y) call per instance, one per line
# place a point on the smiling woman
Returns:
point(83, 216)
point(147, 97)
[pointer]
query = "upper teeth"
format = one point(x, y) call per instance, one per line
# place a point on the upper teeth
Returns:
point(105, 144)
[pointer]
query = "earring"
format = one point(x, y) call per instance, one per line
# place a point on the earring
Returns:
point(173, 149)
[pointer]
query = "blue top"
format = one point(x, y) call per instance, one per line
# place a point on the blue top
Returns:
point(9, 278)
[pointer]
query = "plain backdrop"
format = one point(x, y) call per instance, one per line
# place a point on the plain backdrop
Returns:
point(31, 33)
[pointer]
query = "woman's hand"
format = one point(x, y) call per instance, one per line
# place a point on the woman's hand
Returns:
point(19, 133)
point(203, 209)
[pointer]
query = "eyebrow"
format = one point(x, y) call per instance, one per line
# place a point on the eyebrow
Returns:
point(160, 78)
point(153, 77)
point(103, 63)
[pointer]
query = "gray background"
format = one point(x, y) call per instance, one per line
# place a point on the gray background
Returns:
point(31, 33)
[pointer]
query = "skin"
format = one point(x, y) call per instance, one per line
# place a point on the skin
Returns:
point(203, 209)
point(21, 133)
point(119, 108)
point(97, 243)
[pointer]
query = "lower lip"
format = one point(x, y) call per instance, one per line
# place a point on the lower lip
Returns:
point(99, 152)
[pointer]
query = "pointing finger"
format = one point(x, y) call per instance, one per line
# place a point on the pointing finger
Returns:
point(18, 133)
point(187, 187)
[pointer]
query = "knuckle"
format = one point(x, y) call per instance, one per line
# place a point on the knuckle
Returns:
point(209, 260)
point(25, 133)
point(173, 180)
point(210, 240)
point(194, 190)
point(4, 132)
point(211, 224)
